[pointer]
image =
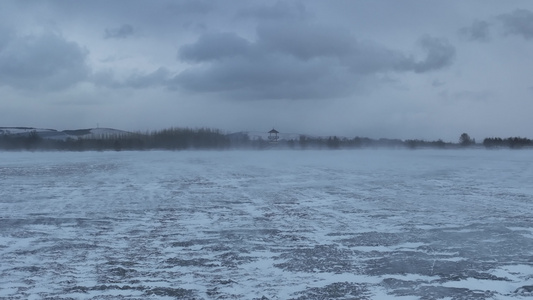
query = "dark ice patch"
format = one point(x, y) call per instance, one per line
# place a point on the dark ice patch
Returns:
point(337, 290)
point(321, 258)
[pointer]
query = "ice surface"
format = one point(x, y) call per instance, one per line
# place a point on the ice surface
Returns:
point(382, 224)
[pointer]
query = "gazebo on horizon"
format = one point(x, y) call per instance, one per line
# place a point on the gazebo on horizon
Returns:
point(273, 136)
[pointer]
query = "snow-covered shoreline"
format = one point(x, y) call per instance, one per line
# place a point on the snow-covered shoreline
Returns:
point(52, 134)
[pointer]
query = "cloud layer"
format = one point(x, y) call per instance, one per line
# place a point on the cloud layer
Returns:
point(519, 22)
point(516, 23)
point(45, 61)
point(297, 61)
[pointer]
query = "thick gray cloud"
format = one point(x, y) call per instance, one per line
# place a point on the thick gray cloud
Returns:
point(440, 54)
point(215, 46)
point(477, 31)
point(266, 77)
point(519, 22)
point(296, 61)
point(121, 32)
point(516, 23)
point(304, 40)
point(45, 61)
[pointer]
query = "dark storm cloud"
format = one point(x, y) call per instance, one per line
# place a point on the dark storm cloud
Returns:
point(44, 61)
point(516, 23)
point(266, 77)
point(121, 32)
point(305, 41)
point(519, 22)
point(260, 69)
point(370, 58)
point(214, 47)
point(296, 60)
point(439, 54)
point(477, 31)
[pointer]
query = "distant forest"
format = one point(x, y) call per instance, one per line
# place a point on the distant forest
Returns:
point(205, 138)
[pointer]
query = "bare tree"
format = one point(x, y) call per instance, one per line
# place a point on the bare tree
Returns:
point(465, 140)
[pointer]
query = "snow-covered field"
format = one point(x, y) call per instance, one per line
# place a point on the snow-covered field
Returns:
point(360, 224)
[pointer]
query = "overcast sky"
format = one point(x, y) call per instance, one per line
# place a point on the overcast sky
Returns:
point(392, 69)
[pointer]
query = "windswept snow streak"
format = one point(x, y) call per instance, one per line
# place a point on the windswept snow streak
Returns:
point(267, 225)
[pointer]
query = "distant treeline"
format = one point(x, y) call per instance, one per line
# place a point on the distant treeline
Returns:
point(334, 142)
point(205, 138)
point(512, 142)
point(167, 139)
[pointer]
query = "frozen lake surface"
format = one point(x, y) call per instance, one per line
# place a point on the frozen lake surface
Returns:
point(360, 224)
